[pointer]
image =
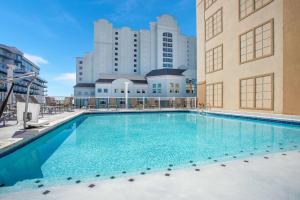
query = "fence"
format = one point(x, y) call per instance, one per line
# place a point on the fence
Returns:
point(135, 102)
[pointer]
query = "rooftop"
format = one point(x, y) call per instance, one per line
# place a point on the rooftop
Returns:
point(162, 72)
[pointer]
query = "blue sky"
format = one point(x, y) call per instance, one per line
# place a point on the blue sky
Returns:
point(53, 32)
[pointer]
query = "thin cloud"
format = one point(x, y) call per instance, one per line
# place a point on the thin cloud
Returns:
point(38, 60)
point(66, 77)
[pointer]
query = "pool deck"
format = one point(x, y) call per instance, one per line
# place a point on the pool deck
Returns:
point(273, 176)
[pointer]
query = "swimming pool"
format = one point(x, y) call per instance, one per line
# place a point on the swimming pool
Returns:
point(95, 146)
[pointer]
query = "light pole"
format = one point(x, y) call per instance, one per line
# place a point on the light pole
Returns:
point(126, 94)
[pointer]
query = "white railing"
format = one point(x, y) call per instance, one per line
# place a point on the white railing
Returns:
point(135, 102)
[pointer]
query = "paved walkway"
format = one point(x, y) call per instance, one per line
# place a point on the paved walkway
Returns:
point(275, 177)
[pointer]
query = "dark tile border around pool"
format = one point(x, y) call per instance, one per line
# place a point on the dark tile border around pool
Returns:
point(10, 149)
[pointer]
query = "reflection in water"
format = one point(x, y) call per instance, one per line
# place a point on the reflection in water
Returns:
point(26, 162)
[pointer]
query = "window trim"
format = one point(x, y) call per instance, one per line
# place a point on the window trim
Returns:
point(254, 42)
point(213, 84)
point(212, 49)
point(254, 92)
point(205, 8)
point(211, 16)
point(254, 11)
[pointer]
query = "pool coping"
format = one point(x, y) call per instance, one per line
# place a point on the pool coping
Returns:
point(44, 130)
point(257, 116)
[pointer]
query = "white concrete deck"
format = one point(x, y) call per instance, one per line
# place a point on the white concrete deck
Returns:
point(276, 178)
point(283, 117)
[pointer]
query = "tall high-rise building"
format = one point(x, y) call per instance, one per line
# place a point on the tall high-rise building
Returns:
point(248, 55)
point(156, 62)
point(13, 56)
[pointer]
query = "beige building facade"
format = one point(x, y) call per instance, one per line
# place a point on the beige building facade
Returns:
point(248, 56)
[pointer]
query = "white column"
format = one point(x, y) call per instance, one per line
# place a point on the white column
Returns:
point(10, 78)
point(126, 94)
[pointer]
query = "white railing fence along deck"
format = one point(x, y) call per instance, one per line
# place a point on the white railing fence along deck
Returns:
point(135, 102)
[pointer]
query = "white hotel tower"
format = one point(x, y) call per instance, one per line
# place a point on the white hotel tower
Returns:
point(156, 62)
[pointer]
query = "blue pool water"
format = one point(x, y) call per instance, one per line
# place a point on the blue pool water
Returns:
point(108, 144)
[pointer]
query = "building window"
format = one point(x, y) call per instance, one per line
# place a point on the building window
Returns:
point(171, 87)
point(167, 65)
point(116, 48)
point(134, 55)
point(135, 40)
point(143, 91)
point(80, 68)
point(159, 88)
point(214, 95)
point(134, 60)
point(134, 50)
point(167, 50)
point(135, 35)
point(134, 70)
point(80, 73)
point(135, 45)
point(99, 90)
point(134, 65)
point(257, 92)
point(214, 25)
point(154, 88)
point(116, 64)
point(177, 88)
point(105, 90)
point(247, 7)
point(116, 69)
point(190, 85)
point(122, 90)
point(138, 91)
point(116, 59)
point(257, 43)
point(208, 3)
point(116, 38)
point(80, 79)
point(116, 54)
point(116, 33)
point(80, 62)
point(116, 43)
point(214, 59)
point(116, 90)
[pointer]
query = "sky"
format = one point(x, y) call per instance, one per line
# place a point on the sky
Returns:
point(52, 33)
